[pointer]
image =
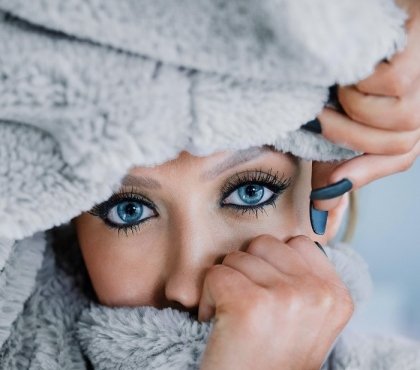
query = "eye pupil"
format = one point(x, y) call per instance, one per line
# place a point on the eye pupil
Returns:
point(251, 194)
point(129, 211)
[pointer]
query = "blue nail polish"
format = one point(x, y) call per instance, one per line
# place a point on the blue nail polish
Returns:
point(318, 220)
point(332, 191)
point(313, 126)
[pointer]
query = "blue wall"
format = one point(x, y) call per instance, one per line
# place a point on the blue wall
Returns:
point(388, 237)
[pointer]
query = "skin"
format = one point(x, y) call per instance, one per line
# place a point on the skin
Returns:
point(213, 261)
point(219, 226)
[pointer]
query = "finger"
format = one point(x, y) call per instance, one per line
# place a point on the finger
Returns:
point(388, 113)
point(321, 177)
point(367, 168)
point(361, 171)
point(256, 269)
point(278, 254)
point(318, 263)
point(221, 288)
point(396, 78)
point(328, 204)
point(345, 132)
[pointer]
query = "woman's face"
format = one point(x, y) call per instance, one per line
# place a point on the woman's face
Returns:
point(180, 218)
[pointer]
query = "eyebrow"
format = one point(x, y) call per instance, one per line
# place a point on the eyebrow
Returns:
point(141, 181)
point(234, 160)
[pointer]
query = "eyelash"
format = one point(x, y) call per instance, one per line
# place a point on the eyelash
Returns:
point(259, 177)
point(101, 210)
point(275, 183)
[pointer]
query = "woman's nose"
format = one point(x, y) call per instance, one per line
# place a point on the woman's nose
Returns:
point(193, 250)
point(183, 287)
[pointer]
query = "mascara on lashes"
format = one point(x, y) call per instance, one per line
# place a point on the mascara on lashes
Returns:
point(268, 180)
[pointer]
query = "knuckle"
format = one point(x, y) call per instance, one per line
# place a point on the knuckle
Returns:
point(321, 295)
point(352, 110)
point(330, 297)
point(401, 144)
point(300, 293)
point(259, 243)
point(255, 248)
point(397, 82)
point(409, 118)
point(218, 274)
point(232, 256)
point(412, 141)
point(411, 122)
point(302, 239)
point(407, 162)
point(405, 166)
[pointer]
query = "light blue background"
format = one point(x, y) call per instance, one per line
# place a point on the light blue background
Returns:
point(388, 237)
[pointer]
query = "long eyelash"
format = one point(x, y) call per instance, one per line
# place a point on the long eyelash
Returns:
point(101, 210)
point(277, 184)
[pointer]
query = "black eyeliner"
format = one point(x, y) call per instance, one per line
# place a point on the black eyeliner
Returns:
point(272, 181)
point(275, 183)
point(101, 210)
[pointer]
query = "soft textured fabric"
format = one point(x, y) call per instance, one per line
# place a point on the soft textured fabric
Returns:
point(89, 88)
point(61, 328)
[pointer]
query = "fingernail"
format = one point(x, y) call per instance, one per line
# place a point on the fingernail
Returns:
point(318, 220)
point(332, 191)
point(320, 247)
point(313, 126)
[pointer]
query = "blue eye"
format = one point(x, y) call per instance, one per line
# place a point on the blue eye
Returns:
point(253, 191)
point(249, 195)
point(248, 191)
point(129, 212)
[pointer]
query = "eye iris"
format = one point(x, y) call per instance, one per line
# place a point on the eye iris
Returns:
point(129, 211)
point(251, 194)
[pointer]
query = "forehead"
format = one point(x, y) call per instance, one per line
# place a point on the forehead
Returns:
point(207, 168)
point(226, 157)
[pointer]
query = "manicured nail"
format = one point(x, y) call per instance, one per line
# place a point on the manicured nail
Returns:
point(333, 101)
point(313, 126)
point(320, 247)
point(332, 191)
point(318, 220)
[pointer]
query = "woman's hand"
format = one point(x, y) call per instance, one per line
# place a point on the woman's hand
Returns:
point(382, 121)
point(276, 306)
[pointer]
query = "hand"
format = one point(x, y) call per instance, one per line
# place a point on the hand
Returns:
point(276, 306)
point(382, 121)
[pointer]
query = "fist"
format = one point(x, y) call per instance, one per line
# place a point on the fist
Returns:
point(276, 305)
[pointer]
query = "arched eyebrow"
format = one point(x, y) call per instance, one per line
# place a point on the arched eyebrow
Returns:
point(140, 181)
point(235, 159)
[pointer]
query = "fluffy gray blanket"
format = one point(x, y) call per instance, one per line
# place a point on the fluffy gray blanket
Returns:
point(90, 88)
point(62, 327)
